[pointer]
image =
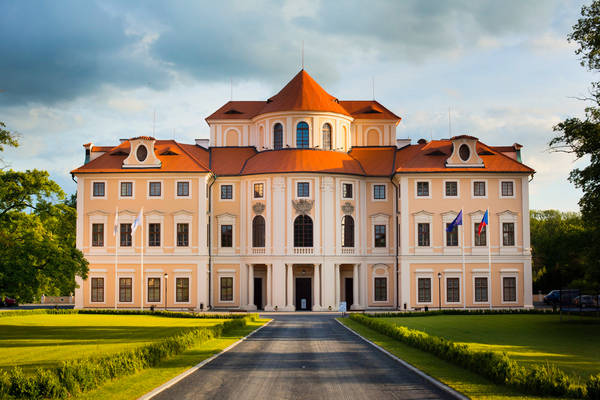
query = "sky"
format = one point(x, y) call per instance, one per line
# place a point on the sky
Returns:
point(73, 72)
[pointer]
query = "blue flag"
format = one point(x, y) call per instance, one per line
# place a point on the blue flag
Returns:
point(457, 221)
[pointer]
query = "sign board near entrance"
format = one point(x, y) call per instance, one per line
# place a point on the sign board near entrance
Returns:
point(342, 306)
point(303, 304)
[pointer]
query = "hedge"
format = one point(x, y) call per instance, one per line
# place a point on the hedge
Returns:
point(461, 311)
point(498, 367)
point(76, 376)
point(159, 313)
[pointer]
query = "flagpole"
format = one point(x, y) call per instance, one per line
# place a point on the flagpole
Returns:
point(489, 257)
point(142, 261)
point(464, 278)
point(115, 233)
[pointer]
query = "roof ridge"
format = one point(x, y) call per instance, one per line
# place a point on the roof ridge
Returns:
point(191, 156)
point(359, 163)
point(505, 156)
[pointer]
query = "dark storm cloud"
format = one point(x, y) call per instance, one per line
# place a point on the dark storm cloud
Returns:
point(53, 51)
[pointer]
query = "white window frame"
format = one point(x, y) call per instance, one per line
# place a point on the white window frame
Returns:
point(487, 189)
point(507, 217)
point(457, 189)
point(386, 190)
point(423, 217)
point(263, 183)
point(422, 275)
point(384, 275)
point(476, 219)
point(232, 184)
point(98, 275)
point(310, 189)
point(378, 219)
point(295, 134)
point(183, 217)
point(162, 189)
point(447, 218)
point(226, 274)
point(481, 274)
point(118, 287)
point(226, 219)
point(97, 219)
point(189, 182)
point(160, 292)
point(132, 197)
point(514, 195)
point(509, 274)
point(154, 219)
point(342, 183)
point(126, 219)
point(187, 276)
point(417, 181)
point(92, 197)
point(452, 275)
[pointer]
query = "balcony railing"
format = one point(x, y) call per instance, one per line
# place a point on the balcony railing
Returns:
point(258, 250)
point(303, 250)
point(347, 250)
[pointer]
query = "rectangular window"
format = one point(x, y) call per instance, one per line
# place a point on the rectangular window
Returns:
point(154, 235)
point(424, 290)
point(226, 235)
point(98, 290)
point(183, 189)
point(125, 290)
point(97, 235)
point(153, 290)
point(452, 236)
point(507, 189)
point(182, 290)
point(423, 234)
point(380, 289)
point(126, 189)
point(303, 189)
point(125, 235)
point(423, 189)
point(451, 189)
point(98, 189)
point(183, 235)
point(226, 288)
point(379, 192)
point(259, 190)
point(155, 189)
point(380, 236)
point(508, 234)
point(479, 189)
point(347, 191)
point(480, 239)
point(452, 290)
point(509, 288)
point(226, 192)
point(481, 290)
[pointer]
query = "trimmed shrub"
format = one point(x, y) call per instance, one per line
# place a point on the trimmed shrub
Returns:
point(593, 387)
point(161, 313)
point(402, 314)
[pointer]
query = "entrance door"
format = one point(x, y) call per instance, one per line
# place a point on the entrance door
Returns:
point(258, 293)
point(349, 287)
point(303, 294)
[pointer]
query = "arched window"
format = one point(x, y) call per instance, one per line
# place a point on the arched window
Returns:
point(278, 136)
point(303, 231)
point(258, 231)
point(347, 231)
point(326, 137)
point(302, 135)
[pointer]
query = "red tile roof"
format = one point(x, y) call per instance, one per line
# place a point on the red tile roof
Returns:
point(238, 110)
point(368, 109)
point(229, 160)
point(376, 161)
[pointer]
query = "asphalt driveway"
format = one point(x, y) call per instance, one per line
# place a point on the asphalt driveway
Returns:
point(303, 356)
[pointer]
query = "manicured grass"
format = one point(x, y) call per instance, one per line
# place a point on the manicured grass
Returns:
point(573, 345)
point(134, 386)
point(462, 380)
point(43, 340)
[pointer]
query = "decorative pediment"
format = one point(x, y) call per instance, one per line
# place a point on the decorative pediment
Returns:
point(226, 218)
point(423, 213)
point(476, 213)
point(99, 213)
point(508, 213)
point(154, 212)
point(258, 208)
point(128, 212)
point(451, 213)
point(183, 212)
point(464, 153)
point(302, 206)
point(347, 208)
point(141, 154)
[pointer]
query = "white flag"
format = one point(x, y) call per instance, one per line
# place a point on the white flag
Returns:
point(116, 230)
point(137, 222)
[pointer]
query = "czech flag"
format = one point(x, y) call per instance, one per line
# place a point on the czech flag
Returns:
point(484, 222)
point(457, 221)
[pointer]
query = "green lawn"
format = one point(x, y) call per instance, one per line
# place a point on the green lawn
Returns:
point(574, 345)
point(42, 340)
point(469, 383)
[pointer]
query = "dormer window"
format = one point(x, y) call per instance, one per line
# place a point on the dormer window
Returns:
point(464, 152)
point(141, 153)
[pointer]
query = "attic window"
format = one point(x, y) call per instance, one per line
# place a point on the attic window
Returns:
point(141, 153)
point(372, 110)
point(464, 152)
point(233, 111)
point(435, 153)
point(168, 152)
point(118, 153)
point(484, 152)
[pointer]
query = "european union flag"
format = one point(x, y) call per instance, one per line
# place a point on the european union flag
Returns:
point(457, 221)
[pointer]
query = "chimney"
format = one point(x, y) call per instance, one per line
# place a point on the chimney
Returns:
point(88, 152)
point(203, 143)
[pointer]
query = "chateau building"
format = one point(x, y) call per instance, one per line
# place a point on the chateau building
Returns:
point(301, 202)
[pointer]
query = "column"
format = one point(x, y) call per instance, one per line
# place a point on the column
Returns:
point(290, 288)
point(269, 306)
point(278, 286)
point(251, 305)
point(354, 306)
point(278, 215)
point(328, 286)
point(328, 226)
point(317, 288)
point(337, 286)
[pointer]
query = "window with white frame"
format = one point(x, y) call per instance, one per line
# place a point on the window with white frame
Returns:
point(508, 234)
point(98, 189)
point(479, 189)
point(97, 284)
point(452, 290)
point(226, 192)
point(423, 239)
point(183, 189)
point(97, 235)
point(125, 239)
point(302, 189)
point(125, 290)
point(509, 289)
point(481, 289)
point(507, 189)
point(154, 235)
point(226, 235)
point(452, 236)
point(479, 238)
point(154, 189)
point(451, 189)
point(226, 286)
point(153, 290)
point(380, 236)
point(347, 191)
point(126, 189)
point(259, 190)
point(422, 189)
point(182, 290)
point(424, 290)
point(379, 192)
point(183, 235)
point(380, 289)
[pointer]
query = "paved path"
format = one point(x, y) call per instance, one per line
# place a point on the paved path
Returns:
point(303, 357)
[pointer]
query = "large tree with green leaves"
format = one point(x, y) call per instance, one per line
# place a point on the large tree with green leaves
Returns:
point(37, 235)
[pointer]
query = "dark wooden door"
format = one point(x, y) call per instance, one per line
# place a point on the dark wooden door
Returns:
point(258, 293)
point(303, 291)
point(349, 287)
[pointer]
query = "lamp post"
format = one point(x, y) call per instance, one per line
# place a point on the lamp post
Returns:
point(439, 290)
point(166, 288)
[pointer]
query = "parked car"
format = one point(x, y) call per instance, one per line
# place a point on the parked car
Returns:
point(552, 298)
point(585, 301)
point(9, 302)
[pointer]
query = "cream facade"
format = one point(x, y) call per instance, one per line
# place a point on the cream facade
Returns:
point(303, 207)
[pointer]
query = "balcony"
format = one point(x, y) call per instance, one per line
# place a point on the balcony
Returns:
point(303, 250)
point(258, 250)
point(347, 250)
